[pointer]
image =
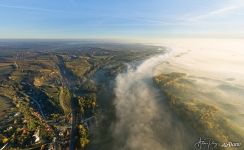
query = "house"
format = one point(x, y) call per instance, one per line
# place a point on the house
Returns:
point(37, 136)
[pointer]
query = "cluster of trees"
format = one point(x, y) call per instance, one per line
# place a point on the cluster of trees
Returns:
point(83, 136)
point(87, 104)
point(19, 133)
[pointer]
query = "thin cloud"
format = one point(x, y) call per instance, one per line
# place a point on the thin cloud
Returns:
point(189, 19)
point(219, 12)
point(29, 8)
point(224, 11)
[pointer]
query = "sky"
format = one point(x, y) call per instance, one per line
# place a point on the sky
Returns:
point(94, 19)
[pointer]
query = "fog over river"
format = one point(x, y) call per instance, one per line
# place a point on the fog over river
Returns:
point(144, 121)
point(215, 65)
point(137, 116)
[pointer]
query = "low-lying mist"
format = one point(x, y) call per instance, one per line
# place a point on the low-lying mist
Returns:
point(214, 58)
point(216, 66)
point(143, 120)
point(213, 67)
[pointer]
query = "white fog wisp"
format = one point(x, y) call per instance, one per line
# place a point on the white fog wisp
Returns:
point(142, 123)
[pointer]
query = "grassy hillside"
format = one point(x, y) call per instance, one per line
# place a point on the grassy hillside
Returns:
point(65, 100)
point(189, 102)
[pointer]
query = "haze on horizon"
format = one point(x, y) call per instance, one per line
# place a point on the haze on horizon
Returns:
point(203, 40)
point(108, 19)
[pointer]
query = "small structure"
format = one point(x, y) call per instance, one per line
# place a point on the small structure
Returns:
point(15, 65)
point(36, 135)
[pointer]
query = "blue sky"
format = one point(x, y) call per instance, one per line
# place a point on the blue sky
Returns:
point(121, 18)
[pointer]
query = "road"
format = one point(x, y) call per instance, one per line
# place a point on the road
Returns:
point(76, 116)
point(66, 81)
point(36, 102)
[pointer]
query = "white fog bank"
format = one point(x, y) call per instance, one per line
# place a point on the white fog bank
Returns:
point(215, 58)
point(143, 119)
point(143, 122)
point(217, 68)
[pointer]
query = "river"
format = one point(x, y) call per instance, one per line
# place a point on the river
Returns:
point(133, 114)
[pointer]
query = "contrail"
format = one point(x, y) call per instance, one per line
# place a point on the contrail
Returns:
point(142, 121)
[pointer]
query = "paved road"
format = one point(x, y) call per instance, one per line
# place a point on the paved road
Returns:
point(75, 113)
